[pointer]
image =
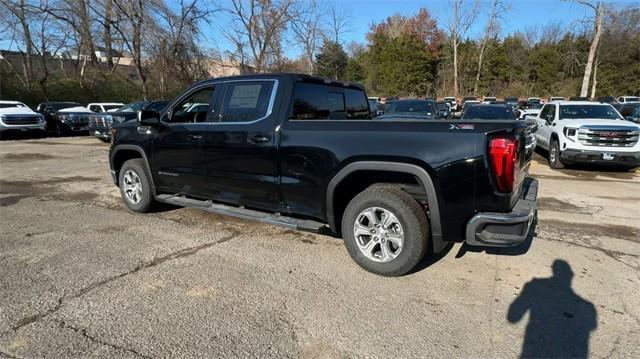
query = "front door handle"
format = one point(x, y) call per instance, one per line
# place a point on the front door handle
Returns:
point(194, 137)
point(259, 139)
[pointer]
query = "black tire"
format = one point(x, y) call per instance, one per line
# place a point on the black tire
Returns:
point(554, 155)
point(61, 129)
point(410, 216)
point(146, 201)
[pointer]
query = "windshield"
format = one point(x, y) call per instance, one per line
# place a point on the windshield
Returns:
point(110, 107)
point(132, 107)
point(423, 108)
point(588, 111)
point(443, 106)
point(9, 105)
point(157, 106)
point(488, 113)
point(62, 105)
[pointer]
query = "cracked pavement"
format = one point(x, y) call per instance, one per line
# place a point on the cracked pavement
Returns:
point(82, 277)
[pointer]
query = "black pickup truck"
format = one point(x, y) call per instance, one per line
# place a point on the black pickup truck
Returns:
point(304, 152)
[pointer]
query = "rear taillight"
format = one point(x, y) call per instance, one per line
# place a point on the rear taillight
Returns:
point(503, 157)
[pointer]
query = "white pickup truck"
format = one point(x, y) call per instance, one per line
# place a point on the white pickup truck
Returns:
point(18, 117)
point(587, 132)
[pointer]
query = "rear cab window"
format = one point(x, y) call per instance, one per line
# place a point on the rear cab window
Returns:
point(313, 101)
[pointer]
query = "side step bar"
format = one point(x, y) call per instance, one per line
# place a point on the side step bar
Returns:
point(239, 212)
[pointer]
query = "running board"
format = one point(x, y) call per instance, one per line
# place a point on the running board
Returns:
point(239, 212)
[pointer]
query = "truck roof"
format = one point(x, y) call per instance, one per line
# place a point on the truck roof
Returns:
point(293, 76)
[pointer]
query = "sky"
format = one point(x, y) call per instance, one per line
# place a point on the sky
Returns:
point(522, 14)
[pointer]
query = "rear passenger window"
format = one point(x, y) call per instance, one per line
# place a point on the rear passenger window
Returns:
point(357, 104)
point(321, 102)
point(246, 101)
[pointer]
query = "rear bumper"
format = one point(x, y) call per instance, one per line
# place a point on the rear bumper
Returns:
point(597, 157)
point(493, 229)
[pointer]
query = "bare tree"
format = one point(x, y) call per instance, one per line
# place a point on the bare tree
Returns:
point(491, 30)
point(128, 22)
point(461, 19)
point(305, 24)
point(257, 25)
point(337, 21)
point(598, 8)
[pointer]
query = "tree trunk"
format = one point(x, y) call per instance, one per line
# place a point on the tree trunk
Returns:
point(592, 50)
point(480, 58)
point(595, 79)
point(108, 43)
point(455, 65)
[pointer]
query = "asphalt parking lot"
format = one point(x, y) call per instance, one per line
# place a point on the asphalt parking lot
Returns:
point(84, 277)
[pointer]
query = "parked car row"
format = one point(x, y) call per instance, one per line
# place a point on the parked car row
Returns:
point(64, 118)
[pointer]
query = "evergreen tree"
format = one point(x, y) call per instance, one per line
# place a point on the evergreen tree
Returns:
point(331, 61)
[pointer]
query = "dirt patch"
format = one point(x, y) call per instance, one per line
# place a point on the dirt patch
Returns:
point(11, 200)
point(582, 178)
point(75, 196)
point(51, 143)
point(39, 187)
point(592, 230)
point(553, 204)
point(623, 199)
point(17, 157)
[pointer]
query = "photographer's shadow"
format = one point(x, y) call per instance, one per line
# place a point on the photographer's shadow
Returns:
point(560, 321)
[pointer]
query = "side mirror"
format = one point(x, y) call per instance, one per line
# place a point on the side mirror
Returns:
point(148, 117)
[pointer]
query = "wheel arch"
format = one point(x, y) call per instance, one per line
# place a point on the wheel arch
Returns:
point(122, 153)
point(422, 176)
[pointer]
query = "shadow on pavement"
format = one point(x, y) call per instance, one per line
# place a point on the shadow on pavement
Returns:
point(560, 321)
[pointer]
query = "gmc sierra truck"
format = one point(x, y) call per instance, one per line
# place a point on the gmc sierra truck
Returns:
point(303, 152)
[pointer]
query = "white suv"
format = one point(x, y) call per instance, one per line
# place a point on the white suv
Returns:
point(587, 132)
point(18, 117)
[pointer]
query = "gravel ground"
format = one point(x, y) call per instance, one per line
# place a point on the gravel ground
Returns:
point(84, 277)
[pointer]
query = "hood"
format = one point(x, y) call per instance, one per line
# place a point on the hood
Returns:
point(597, 122)
point(76, 109)
point(16, 111)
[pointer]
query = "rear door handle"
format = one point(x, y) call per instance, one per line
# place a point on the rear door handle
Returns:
point(194, 137)
point(259, 139)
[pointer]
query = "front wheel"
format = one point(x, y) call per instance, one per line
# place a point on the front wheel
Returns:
point(135, 186)
point(385, 230)
point(554, 155)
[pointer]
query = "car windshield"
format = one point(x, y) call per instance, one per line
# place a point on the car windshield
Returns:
point(62, 105)
point(9, 105)
point(443, 106)
point(110, 107)
point(588, 111)
point(417, 107)
point(533, 106)
point(132, 107)
point(157, 106)
point(488, 112)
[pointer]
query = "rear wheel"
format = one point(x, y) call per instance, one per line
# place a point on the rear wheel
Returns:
point(61, 129)
point(554, 155)
point(385, 230)
point(135, 186)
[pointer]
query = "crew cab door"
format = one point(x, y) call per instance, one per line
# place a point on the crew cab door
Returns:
point(177, 160)
point(545, 128)
point(239, 146)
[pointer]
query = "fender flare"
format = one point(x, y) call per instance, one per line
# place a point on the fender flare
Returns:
point(138, 149)
point(421, 174)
